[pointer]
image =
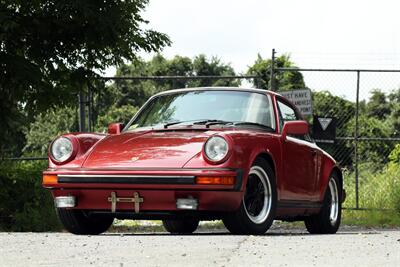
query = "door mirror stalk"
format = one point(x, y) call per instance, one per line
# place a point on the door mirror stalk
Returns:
point(115, 128)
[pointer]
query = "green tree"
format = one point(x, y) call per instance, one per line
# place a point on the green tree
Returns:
point(373, 151)
point(212, 67)
point(136, 92)
point(120, 101)
point(120, 114)
point(327, 105)
point(378, 105)
point(47, 126)
point(49, 50)
point(286, 80)
point(60, 120)
point(394, 100)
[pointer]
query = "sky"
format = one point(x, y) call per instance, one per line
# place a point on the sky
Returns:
point(316, 33)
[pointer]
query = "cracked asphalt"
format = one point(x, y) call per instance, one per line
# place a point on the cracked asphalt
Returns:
point(279, 247)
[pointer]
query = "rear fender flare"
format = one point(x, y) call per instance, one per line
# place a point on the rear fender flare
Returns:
point(329, 167)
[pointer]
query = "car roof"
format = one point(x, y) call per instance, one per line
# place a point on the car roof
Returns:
point(215, 88)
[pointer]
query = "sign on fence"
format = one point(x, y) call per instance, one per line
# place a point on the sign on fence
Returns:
point(301, 98)
point(324, 129)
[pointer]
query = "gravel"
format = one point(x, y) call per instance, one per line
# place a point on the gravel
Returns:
point(280, 247)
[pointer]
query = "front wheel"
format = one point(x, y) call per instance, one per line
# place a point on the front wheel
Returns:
point(327, 221)
point(257, 210)
point(80, 223)
point(181, 226)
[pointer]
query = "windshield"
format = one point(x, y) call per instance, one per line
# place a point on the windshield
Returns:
point(189, 107)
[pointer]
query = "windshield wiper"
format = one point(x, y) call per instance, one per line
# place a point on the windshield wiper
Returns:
point(200, 121)
point(249, 123)
point(207, 123)
point(172, 123)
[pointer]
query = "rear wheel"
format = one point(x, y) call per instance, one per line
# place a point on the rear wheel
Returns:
point(182, 226)
point(257, 210)
point(80, 223)
point(327, 221)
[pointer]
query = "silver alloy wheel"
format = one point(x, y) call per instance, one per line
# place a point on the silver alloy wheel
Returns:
point(334, 205)
point(262, 215)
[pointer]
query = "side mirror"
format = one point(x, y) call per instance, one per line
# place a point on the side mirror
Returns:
point(295, 128)
point(115, 128)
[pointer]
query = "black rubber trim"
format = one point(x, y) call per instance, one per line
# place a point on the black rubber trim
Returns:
point(293, 204)
point(239, 180)
point(189, 180)
point(137, 179)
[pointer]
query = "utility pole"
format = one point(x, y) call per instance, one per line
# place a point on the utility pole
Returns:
point(272, 74)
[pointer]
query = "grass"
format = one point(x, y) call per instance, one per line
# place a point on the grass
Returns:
point(371, 218)
point(379, 191)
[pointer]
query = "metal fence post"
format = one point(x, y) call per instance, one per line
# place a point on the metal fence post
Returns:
point(272, 74)
point(89, 105)
point(82, 117)
point(356, 137)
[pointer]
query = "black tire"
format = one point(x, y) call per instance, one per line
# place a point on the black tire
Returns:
point(324, 222)
point(242, 221)
point(79, 223)
point(183, 226)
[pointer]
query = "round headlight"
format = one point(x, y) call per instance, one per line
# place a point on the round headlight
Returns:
point(216, 148)
point(61, 149)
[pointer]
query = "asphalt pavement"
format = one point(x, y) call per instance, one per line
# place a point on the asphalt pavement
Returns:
point(279, 247)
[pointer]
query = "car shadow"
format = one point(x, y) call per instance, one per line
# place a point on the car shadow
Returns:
point(212, 233)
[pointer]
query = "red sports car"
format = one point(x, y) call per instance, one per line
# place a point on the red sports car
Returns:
point(240, 155)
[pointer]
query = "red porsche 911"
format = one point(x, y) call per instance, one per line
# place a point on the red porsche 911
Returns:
point(240, 155)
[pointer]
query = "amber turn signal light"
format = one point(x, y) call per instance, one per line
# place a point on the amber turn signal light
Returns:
point(50, 179)
point(215, 180)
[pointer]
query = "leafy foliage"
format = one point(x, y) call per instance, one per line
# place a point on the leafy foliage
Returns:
point(49, 50)
point(327, 105)
point(116, 114)
point(24, 204)
point(287, 80)
point(394, 100)
point(136, 92)
point(395, 154)
point(47, 126)
point(373, 151)
point(378, 106)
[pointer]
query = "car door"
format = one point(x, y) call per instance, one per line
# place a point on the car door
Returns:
point(299, 159)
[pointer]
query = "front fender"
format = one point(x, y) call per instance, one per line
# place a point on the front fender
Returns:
point(246, 148)
point(86, 141)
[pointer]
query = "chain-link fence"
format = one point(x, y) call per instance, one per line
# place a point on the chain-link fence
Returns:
point(365, 104)
point(367, 120)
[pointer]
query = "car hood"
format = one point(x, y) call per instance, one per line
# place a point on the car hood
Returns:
point(146, 149)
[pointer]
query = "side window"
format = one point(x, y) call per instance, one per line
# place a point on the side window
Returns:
point(286, 113)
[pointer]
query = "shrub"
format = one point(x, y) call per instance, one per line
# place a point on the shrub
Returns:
point(24, 204)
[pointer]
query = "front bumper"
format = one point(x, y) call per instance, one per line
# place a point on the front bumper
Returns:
point(159, 189)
